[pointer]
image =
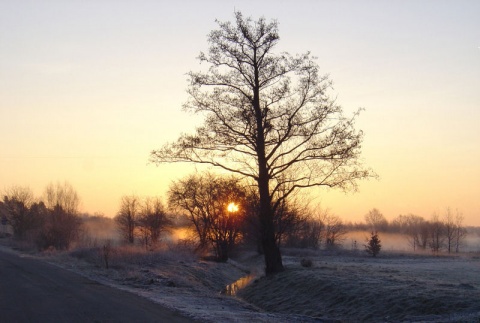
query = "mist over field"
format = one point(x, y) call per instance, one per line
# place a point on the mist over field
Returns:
point(400, 242)
point(101, 229)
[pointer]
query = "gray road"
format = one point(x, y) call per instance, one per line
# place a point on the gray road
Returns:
point(34, 291)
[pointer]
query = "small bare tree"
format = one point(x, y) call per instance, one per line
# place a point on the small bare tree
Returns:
point(290, 215)
point(216, 207)
point(152, 221)
point(460, 232)
point(63, 195)
point(423, 235)
point(436, 234)
point(62, 225)
point(334, 229)
point(18, 216)
point(290, 221)
point(60, 229)
point(415, 228)
point(20, 193)
point(376, 220)
point(40, 217)
point(16, 209)
point(449, 225)
point(127, 217)
point(309, 234)
point(188, 195)
point(53, 224)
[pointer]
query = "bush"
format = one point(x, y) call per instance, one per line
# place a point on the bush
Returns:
point(305, 262)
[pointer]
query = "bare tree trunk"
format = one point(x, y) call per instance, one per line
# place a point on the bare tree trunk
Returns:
point(271, 251)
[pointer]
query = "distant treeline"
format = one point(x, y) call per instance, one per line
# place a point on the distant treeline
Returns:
point(220, 212)
point(49, 222)
point(440, 232)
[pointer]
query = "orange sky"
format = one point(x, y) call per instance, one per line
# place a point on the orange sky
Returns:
point(88, 89)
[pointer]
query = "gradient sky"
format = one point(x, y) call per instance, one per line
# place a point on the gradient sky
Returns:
point(89, 88)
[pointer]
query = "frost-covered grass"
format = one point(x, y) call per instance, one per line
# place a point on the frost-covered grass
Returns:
point(177, 278)
point(354, 287)
point(339, 285)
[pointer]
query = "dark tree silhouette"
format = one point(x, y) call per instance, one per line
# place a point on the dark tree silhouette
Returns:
point(268, 117)
point(61, 225)
point(59, 229)
point(288, 217)
point(376, 220)
point(127, 217)
point(334, 230)
point(216, 208)
point(63, 195)
point(453, 230)
point(16, 210)
point(436, 232)
point(416, 229)
point(17, 215)
point(373, 245)
point(153, 220)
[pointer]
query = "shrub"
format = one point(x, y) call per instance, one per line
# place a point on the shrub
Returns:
point(59, 230)
point(373, 245)
point(305, 262)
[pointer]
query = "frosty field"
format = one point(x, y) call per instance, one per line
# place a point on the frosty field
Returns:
point(343, 286)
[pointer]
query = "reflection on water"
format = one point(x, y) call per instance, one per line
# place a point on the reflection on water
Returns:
point(232, 289)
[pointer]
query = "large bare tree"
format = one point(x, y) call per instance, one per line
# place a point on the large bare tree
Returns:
point(267, 117)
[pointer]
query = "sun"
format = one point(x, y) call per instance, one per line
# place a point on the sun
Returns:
point(232, 207)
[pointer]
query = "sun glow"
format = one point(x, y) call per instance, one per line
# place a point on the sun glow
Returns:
point(232, 207)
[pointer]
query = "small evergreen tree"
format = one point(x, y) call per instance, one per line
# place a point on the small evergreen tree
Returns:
point(373, 245)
